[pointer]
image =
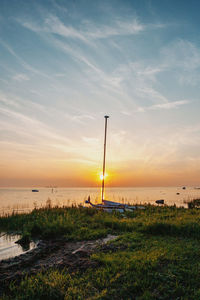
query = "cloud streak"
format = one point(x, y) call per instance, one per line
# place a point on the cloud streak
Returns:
point(88, 30)
point(165, 106)
point(21, 77)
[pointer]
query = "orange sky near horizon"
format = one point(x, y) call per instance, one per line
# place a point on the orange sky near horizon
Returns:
point(74, 174)
point(129, 162)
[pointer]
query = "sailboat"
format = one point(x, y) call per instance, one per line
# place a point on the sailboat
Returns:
point(107, 205)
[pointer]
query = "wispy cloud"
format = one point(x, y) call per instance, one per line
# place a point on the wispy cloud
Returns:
point(97, 79)
point(182, 58)
point(21, 77)
point(59, 7)
point(90, 140)
point(150, 71)
point(165, 106)
point(81, 118)
point(52, 24)
point(33, 126)
point(88, 30)
point(144, 76)
point(113, 82)
point(148, 91)
point(181, 53)
point(170, 105)
point(7, 101)
point(24, 64)
point(118, 28)
point(160, 106)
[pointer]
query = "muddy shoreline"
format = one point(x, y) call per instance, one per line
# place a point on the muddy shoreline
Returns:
point(58, 253)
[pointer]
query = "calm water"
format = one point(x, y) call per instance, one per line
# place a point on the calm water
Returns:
point(23, 199)
point(8, 247)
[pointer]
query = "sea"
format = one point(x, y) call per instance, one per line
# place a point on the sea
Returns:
point(21, 200)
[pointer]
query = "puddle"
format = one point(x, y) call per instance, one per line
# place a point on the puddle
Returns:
point(8, 247)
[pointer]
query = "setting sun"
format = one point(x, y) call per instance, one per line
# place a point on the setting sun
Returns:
point(103, 177)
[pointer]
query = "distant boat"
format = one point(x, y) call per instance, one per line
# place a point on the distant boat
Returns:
point(106, 205)
point(161, 201)
point(35, 191)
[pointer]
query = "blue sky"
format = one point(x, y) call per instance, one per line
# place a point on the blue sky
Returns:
point(64, 64)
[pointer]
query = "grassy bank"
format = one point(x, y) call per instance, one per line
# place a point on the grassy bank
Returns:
point(156, 255)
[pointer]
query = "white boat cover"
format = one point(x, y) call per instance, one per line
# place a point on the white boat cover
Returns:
point(111, 203)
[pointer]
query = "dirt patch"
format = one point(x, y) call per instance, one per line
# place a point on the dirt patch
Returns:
point(54, 253)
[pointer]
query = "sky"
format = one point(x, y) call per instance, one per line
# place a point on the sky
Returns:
point(65, 64)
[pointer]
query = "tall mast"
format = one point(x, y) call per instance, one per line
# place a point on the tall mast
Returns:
point(104, 159)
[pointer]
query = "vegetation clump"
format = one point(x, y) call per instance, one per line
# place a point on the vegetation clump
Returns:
point(24, 240)
point(194, 203)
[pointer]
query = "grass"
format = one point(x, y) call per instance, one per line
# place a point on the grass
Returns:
point(156, 254)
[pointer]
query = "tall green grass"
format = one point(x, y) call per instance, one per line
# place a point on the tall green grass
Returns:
point(80, 223)
point(138, 267)
point(156, 254)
